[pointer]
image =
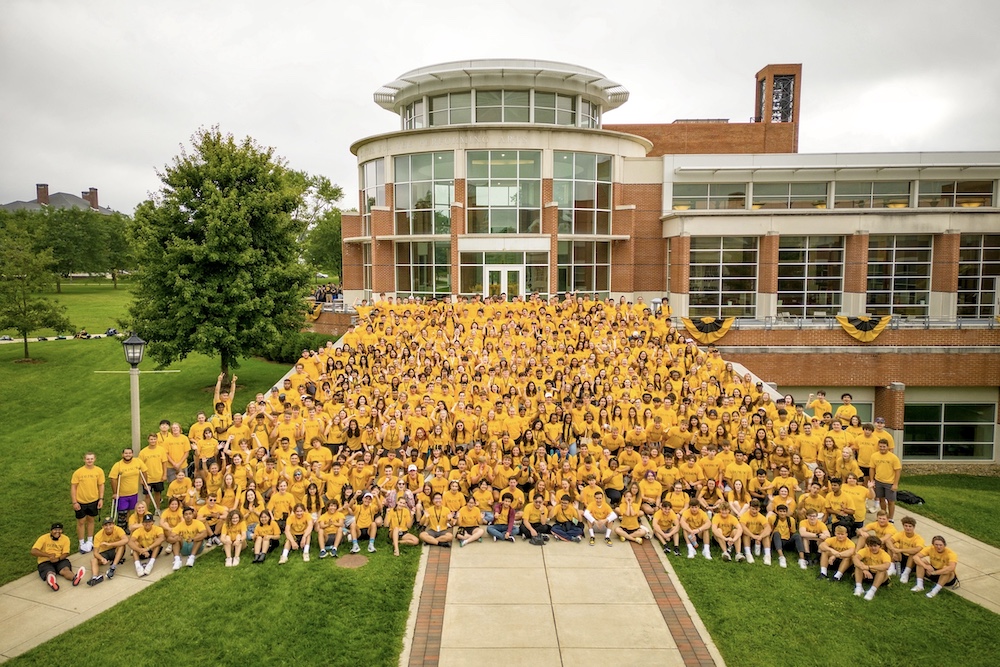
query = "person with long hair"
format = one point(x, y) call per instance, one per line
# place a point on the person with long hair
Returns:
point(234, 537)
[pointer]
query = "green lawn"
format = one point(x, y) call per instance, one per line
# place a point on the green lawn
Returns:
point(293, 614)
point(55, 410)
point(91, 306)
point(757, 614)
point(957, 501)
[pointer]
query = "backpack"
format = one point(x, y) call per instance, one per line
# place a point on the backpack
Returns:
point(909, 498)
point(537, 540)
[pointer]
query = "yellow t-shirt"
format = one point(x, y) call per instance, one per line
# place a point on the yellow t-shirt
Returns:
point(58, 547)
point(665, 519)
point(146, 538)
point(189, 531)
point(599, 512)
point(939, 560)
point(872, 559)
point(298, 526)
point(127, 475)
point(727, 525)
point(102, 540)
point(88, 484)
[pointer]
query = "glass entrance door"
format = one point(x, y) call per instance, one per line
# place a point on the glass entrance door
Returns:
point(503, 280)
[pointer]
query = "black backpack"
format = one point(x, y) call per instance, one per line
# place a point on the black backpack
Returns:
point(909, 498)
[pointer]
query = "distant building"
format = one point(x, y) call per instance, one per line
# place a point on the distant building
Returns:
point(87, 199)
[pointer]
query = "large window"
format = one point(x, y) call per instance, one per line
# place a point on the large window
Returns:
point(937, 431)
point(372, 191)
point(709, 195)
point(413, 116)
point(504, 192)
point(451, 109)
point(424, 190)
point(871, 194)
point(501, 106)
point(423, 269)
point(553, 108)
point(536, 270)
point(789, 195)
point(978, 274)
point(723, 276)
point(899, 274)
point(967, 194)
point(585, 266)
point(582, 187)
point(810, 274)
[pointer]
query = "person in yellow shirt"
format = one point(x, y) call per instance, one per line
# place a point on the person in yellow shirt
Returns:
point(125, 476)
point(52, 553)
point(566, 520)
point(265, 537)
point(836, 552)
point(937, 563)
point(146, 541)
point(154, 455)
point(86, 492)
point(903, 546)
point(234, 537)
point(695, 523)
point(629, 511)
point(298, 531)
point(367, 521)
point(109, 548)
point(813, 532)
point(535, 519)
point(886, 469)
point(469, 519)
point(600, 516)
point(666, 528)
point(871, 563)
point(783, 533)
point(398, 520)
point(330, 529)
point(437, 522)
point(728, 532)
point(186, 538)
point(880, 528)
point(756, 529)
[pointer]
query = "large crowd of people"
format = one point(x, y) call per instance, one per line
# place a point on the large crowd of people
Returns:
point(571, 419)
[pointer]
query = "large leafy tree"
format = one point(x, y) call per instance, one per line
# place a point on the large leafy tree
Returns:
point(25, 272)
point(217, 252)
point(75, 236)
point(323, 247)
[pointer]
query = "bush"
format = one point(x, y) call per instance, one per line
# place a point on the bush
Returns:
point(289, 349)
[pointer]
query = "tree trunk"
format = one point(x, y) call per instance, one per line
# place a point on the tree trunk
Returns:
point(25, 337)
point(114, 279)
point(58, 284)
point(224, 369)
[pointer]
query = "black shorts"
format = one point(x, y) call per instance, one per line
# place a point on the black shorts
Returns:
point(47, 567)
point(866, 471)
point(87, 509)
point(935, 577)
point(109, 554)
point(465, 530)
point(633, 531)
point(156, 487)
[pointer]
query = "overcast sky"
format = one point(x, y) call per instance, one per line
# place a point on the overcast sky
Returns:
point(103, 93)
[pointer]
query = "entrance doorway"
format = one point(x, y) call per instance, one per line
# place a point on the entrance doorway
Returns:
point(502, 279)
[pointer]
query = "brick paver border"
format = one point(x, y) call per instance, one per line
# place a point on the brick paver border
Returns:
point(685, 634)
point(426, 648)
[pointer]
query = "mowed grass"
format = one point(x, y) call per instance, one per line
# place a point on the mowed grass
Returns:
point(294, 614)
point(961, 502)
point(95, 307)
point(757, 613)
point(54, 410)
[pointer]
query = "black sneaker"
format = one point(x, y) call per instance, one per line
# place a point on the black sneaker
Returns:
point(95, 580)
point(677, 551)
point(821, 576)
point(666, 550)
point(111, 572)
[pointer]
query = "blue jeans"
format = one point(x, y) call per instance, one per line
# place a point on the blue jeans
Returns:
point(567, 530)
point(499, 531)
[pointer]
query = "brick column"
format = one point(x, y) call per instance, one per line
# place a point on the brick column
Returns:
point(855, 274)
point(680, 273)
point(767, 276)
point(623, 267)
point(550, 226)
point(890, 403)
point(458, 224)
point(944, 276)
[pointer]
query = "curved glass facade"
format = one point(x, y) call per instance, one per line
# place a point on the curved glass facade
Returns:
point(504, 192)
point(424, 189)
point(502, 106)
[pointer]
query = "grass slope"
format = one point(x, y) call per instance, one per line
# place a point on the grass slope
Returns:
point(958, 501)
point(53, 411)
point(94, 307)
point(756, 614)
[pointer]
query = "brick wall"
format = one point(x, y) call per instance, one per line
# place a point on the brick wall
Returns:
point(332, 324)
point(944, 266)
point(715, 138)
point(648, 245)
point(767, 264)
point(856, 263)
point(889, 403)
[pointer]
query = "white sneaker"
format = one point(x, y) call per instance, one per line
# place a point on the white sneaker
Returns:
point(177, 563)
point(357, 549)
point(371, 548)
point(892, 569)
point(190, 561)
point(858, 591)
point(691, 551)
point(283, 559)
point(305, 556)
point(803, 564)
point(739, 557)
point(707, 553)
point(932, 592)
point(86, 547)
point(870, 595)
point(726, 557)
point(236, 561)
point(782, 562)
point(917, 588)
point(149, 568)
point(756, 549)
point(750, 558)
point(767, 559)
point(904, 578)
point(229, 562)
point(139, 572)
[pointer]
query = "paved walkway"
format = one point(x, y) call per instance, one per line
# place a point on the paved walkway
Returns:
point(561, 604)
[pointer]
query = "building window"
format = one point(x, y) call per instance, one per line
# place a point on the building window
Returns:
point(789, 195)
point(504, 192)
point(555, 109)
point(423, 269)
point(938, 431)
point(413, 116)
point(450, 109)
point(723, 276)
point(967, 194)
point(372, 191)
point(582, 187)
point(366, 270)
point(899, 274)
point(782, 98)
point(978, 274)
point(503, 106)
point(709, 195)
point(424, 190)
point(871, 194)
point(590, 114)
point(810, 274)
point(536, 270)
point(585, 267)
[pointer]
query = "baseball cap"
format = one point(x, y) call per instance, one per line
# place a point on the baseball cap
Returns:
point(108, 520)
point(880, 420)
point(367, 495)
point(411, 468)
point(147, 517)
point(56, 525)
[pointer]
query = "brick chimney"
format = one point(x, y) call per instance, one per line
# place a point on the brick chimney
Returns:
point(93, 199)
point(42, 193)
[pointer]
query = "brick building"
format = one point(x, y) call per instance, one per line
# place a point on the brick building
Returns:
point(503, 179)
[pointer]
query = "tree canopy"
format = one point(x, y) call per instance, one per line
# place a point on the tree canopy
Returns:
point(218, 251)
point(25, 271)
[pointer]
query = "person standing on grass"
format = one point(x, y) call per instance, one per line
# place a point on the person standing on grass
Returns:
point(146, 542)
point(86, 491)
point(52, 552)
point(125, 476)
point(937, 563)
point(886, 469)
point(154, 455)
point(109, 548)
point(871, 563)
